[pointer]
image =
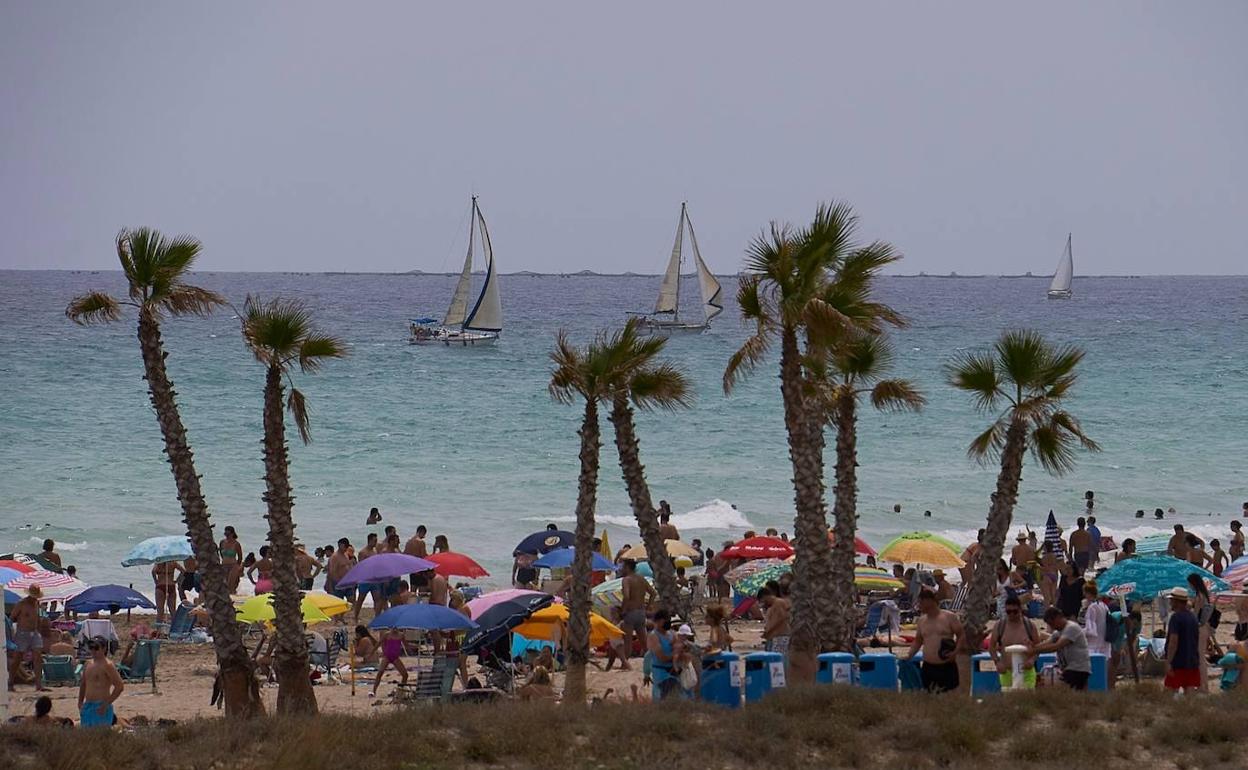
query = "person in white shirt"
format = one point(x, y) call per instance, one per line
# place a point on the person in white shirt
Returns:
point(1096, 626)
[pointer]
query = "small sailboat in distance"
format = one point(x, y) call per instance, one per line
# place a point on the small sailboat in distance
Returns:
point(665, 320)
point(462, 327)
point(1060, 287)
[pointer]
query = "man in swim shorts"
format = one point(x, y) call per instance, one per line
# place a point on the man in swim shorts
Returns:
point(637, 594)
point(101, 687)
point(26, 636)
point(938, 633)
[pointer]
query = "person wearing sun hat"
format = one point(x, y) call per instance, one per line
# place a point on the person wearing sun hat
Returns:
point(1182, 644)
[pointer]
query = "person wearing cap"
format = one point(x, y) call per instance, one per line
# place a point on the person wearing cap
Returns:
point(687, 661)
point(100, 687)
point(1182, 644)
point(944, 589)
point(1071, 646)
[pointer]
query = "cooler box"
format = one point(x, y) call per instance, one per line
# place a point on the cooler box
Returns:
point(1099, 680)
point(878, 671)
point(1043, 661)
point(721, 679)
point(764, 671)
point(984, 677)
point(836, 668)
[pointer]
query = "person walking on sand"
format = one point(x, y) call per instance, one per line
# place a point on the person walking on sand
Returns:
point(391, 655)
point(1182, 645)
point(939, 634)
point(1071, 646)
point(100, 688)
point(637, 593)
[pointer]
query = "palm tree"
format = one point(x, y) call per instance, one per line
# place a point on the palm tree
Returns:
point(582, 373)
point(636, 379)
point(790, 293)
point(854, 369)
point(1023, 382)
point(280, 334)
point(155, 268)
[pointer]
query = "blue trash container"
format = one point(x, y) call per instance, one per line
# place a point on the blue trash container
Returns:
point(878, 671)
point(764, 671)
point(1099, 680)
point(984, 677)
point(836, 668)
point(1043, 661)
point(721, 679)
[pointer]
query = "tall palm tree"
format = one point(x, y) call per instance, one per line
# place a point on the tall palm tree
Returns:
point(280, 334)
point(638, 380)
point(852, 370)
point(585, 374)
point(790, 294)
point(1023, 383)
point(155, 268)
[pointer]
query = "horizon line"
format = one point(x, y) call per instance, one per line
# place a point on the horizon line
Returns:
point(586, 273)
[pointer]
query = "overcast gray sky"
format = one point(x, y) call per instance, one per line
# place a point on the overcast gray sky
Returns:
point(349, 136)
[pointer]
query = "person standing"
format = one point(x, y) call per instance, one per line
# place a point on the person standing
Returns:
point(1094, 544)
point(1177, 547)
point(636, 595)
point(1202, 607)
point(1014, 628)
point(1080, 546)
point(1182, 645)
point(1096, 628)
point(100, 688)
point(340, 564)
point(416, 546)
point(165, 577)
point(306, 567)
point(1237, 540)
point(1022, 556)
point(190, 579)
point(26, 637)
point(1071, 646)
point(667, 530)
point(49, 552)
point(969, 557)
point(231, 551)
point(1218, 556)
point(776, 626)
point(939, 634)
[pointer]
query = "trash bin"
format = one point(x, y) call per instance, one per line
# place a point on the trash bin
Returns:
point(721, 679)
point(878, 671)
point(984, 678)
point(836, 668)
point(764, 671)
point(1099, 680)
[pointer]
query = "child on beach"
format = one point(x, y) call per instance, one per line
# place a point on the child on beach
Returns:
point(391, 655)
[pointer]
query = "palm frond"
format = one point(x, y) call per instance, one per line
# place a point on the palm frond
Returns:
point(298, 407)
point(1053, 448)
point(275, 328)
point(566, 378)
point(183, 299)
point(93, 307)
point(662, 387)
point(751, 300)
point(897, 396)
point(864, 356)
point(314, 350)
point(750, 355)
point(987, 445)
point(769, 252)
point(1067, 422)
point(1024, 357)
point(976, 373)
point(1060, 365)
point(825, 325)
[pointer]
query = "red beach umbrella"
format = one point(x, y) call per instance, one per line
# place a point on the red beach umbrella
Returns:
point(861, 547)
point(25, 569)
point(758, 548)
point(451, 563)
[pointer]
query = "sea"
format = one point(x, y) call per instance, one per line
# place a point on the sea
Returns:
point(469, 443)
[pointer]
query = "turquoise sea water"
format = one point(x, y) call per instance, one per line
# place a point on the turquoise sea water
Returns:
point(469, 443)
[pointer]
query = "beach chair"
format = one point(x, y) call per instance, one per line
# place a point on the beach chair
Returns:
point(327, 661)
point(958, 602)
point(60, 670)
point(143, 664)
point(433, 685)
point(180, 624)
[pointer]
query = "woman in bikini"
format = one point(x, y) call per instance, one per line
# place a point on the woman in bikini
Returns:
point(264, 568)
point(1049, 574)
point(391, 655)
point(165, 575)
point(231, 559)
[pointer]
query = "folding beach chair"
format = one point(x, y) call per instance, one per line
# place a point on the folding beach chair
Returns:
point(433, 684)
point(958, 602)
point(143, 664)
point(60, 670)
point(181, 623)
point(326, 661)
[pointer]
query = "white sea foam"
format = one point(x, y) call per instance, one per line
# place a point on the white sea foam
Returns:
point(63, 546)
point(716, 514)
point(1215, 528)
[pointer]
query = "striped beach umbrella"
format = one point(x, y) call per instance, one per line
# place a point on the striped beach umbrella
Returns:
point(609, 594)
point(17, 566)
point(1152, 545)
point(875, 579)
point(750, 584)
point(1053, 535)
point(921, 548)
point(33, 560)
point(1236, 573)
point(55, 587)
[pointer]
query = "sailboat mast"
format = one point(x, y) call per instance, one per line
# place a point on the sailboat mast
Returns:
point(680, 264)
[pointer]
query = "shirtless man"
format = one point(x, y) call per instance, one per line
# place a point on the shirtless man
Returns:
point(776, 626)
point(49, 552)
point(637, 594)
point(100, 688)
point(970, 556)
point(416, 546)
point(306, 567)
point(666, 528)
point(439, 594)
point(64, 645)
point(1014, 628)
point(339, 566)
point(1177, 547)
point(25, 616)
point(944, 589)
point(1022, 555)
point(1080, 546)
point(939, 633)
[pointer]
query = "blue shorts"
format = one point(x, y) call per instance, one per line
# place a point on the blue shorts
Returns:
point(90, 714)
point(347, 594)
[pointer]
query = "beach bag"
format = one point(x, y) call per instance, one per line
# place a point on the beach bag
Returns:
point(1114, 632)
point(1241, 632)
point(688, 679)
point(1215, 617)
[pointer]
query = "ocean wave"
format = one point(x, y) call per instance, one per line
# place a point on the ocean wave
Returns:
point(1214, 530)
point(715, 514)
point(63, 546)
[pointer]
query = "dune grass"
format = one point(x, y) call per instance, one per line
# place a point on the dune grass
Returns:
point(818, 727)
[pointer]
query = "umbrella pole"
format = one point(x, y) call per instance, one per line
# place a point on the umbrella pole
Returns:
point(351, 660)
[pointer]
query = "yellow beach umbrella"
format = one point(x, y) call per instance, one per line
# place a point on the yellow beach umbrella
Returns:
point(259, 609)
point(547, 625)
point(675, 549)
point(605, 549)
point(921, 548)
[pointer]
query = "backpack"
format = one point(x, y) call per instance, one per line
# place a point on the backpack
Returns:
point(1032, 635)
point(1114, 631)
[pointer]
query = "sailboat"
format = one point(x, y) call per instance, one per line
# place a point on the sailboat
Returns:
point(462, 327)
point(666, 320)
point(1060, 287)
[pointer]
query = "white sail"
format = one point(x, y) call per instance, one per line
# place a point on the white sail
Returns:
point(1064, 273)
point(712, 304)
point(487, 313)
point(669, 291)
point(458, 310)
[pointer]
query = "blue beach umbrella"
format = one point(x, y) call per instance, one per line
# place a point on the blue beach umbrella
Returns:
point(561, 558)
point(543, 542)
point(105, 597)
point(497, 621)
point(427, 617)
point(1143, 577)
point(8, 573)
point(157, 550)
point(10, 597)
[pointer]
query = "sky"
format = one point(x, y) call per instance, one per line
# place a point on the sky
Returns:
point(326, 136)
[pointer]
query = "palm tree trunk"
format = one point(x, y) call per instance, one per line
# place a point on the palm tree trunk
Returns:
point(582, 564)
point(241, 694)
point(627, 445)
point(840, 616)
point(290, 649)
point(812, 563)
point(1000, 514)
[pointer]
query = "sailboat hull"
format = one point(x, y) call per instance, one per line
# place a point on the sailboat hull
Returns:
point(451, 338)
point(657, 328)
point(1059, 294)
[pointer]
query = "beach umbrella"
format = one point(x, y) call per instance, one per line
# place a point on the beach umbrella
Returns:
point(860, 546)
point(450, 564)
point(8, 573)
point(561, 558)
point(106, 597)
point(56, 587)
point(158, 550)
point(426, 617)
point(16, 566)
point(498, 620)
point(740, 572)
point(758, 548)
point(674, 548)
point(605, 547)
point(548, 624)
point(1152, 545)
point(546, 540)
point(609, 594)
point(1053, 534)
point(750, 584)
point(486, 601)
point(1236, 573)
point(1143, 577)
point(382, 567)
point(259, 609)
point(33, 560)
point(921, 548)
point(10, 597)
point(875, 579)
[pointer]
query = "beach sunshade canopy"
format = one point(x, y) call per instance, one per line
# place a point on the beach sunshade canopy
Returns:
point(8, 573)
point(921, 548)
point(740, 572)
point(498, 620)
point(674, 548)
point(1053, 533)
point(1152, 545)
point(382, 567)
point(16, 566)
point(750, 584)
point(56, 587)
point(1236, 573)
point(544, 541)
point(561, 558)
point(157, 550)
point(605, 547)
point(33, 560)
point(10, 597)
point(451, 564)
point(104, 598)
point(426, 617)
point(549, 624)
point(259, 609)
point(1143, 577)
point(609, 594)
point(861, 547)
point(758, 548)
point(486, 601)
point(875, 579)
